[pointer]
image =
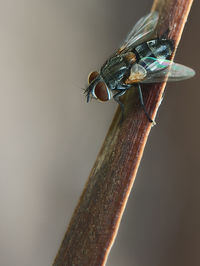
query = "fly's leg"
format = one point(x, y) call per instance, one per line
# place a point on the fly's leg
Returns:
point(116, 98)
point(142, 103)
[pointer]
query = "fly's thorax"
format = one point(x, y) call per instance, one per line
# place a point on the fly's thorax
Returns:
point(130, 58)
point(116, 68)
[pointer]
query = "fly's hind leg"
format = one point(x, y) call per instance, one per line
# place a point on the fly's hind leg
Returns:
point(116, 98)
point(142, 103)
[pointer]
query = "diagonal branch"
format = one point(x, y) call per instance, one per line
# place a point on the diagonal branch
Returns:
point(96, 219)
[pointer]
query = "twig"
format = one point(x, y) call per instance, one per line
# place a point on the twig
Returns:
point(96, 219)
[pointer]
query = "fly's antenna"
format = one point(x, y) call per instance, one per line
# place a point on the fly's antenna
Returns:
point(90, 89)
point(87, 93)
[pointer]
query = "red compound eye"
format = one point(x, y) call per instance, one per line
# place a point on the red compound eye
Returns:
point(101, 91)
point(92, 76)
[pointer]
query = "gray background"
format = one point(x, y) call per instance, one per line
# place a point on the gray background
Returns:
point(50, 137)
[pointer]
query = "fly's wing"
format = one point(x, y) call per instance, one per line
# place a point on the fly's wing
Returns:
point(142, 31)
point(158, 70)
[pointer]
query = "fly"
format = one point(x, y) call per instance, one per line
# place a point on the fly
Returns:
point(139, 60)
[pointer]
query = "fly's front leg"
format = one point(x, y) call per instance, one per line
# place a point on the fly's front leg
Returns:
point(116, 98)
point(142, 103)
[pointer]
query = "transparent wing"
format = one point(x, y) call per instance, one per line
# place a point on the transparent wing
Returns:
point(141, 31)
point(159, 69)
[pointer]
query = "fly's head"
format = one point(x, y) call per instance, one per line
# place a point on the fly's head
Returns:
point(97, 88)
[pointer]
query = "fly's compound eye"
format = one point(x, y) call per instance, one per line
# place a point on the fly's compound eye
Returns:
point(92, 76)
point(101, 91)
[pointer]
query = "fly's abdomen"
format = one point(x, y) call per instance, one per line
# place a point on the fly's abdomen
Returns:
point(157, 48)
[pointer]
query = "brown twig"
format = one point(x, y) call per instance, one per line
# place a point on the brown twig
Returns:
point(96, 219)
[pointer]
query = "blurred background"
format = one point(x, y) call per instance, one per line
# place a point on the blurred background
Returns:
point(50, 137)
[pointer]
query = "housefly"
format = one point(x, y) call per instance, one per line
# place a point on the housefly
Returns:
point(140, 59)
